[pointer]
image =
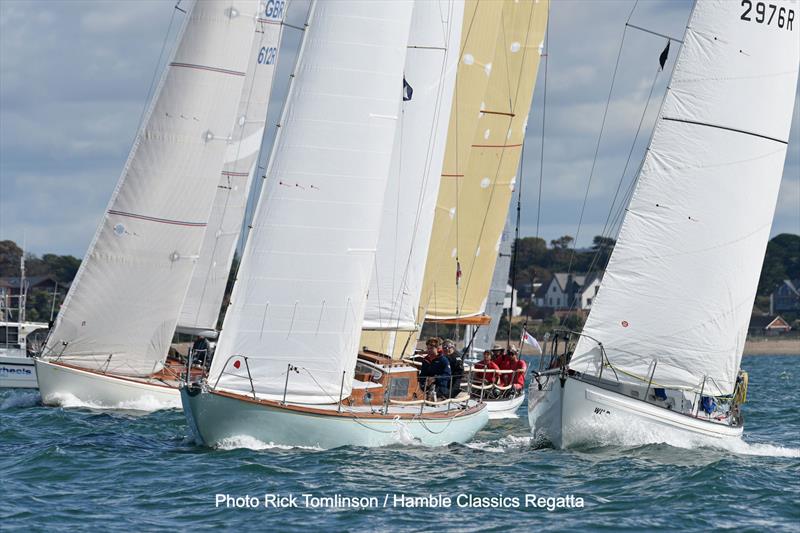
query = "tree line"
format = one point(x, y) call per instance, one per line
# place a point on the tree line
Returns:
point(536, 261)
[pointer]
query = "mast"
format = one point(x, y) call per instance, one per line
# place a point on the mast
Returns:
point(298, 300)
point(679, 287)
point(121, 310)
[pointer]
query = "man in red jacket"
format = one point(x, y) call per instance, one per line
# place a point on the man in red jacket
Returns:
point(481, 378)
point(519, 366)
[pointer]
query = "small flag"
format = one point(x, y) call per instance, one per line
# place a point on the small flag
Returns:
point(529, 339)
point(407, 90)
point(662, 59)
point(458, 272)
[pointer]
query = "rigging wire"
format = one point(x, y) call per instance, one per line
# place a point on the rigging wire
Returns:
point(596, 153)
point(158, 64)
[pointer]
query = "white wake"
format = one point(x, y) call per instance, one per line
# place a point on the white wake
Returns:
point(251, 443)
point(146, 404)
point(632, 432)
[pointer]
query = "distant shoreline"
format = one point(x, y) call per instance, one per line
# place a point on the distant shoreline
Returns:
point(762, 346)
point(772, 346)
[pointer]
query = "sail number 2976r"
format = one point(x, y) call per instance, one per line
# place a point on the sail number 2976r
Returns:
point(765, 14)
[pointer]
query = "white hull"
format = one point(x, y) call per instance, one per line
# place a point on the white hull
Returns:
point(215, 419)
point(16, 370)
point(68, 386)
point(499, 409)
point(583, 414)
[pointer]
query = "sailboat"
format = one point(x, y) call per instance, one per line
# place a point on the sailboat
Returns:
point(661, 349)
point(110, 341)
point(477, 184)
point(287, 367)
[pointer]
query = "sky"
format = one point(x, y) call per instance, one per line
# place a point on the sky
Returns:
point(75, 77)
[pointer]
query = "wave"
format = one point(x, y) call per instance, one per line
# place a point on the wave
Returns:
point(146, 403)
point(20, 398)
point(632, 433)
point(251, 443)
point(508, 442)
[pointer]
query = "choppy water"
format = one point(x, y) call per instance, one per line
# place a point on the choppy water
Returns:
point(80, 468)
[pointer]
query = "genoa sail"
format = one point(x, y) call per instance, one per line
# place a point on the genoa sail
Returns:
point(122, 308)
point(706, 195)
point(461, 275)
point(201, 307)
point(298, 302)
point(430, 70)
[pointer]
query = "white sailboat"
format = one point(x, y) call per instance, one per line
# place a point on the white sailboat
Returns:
point(110, 340)
point(286, 369)
point(663, 342)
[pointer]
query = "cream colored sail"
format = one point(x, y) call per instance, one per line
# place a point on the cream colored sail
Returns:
point(477, 201)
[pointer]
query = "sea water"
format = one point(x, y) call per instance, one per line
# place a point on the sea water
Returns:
point(82, 468)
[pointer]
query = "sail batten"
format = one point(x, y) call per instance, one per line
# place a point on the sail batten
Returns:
point(705, 195)
point(121, 310)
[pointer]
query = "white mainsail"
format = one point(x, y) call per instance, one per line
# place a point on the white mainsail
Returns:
point(121, 310)
point(681, 282)
point(430, 71)
point(299, 296)
point(201, 307)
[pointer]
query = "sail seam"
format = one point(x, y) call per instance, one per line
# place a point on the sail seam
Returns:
point(155, 219)
point(725, 128)
point(206, 67)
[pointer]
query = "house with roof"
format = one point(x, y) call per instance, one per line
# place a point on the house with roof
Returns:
point(569, 290)
point(786, 297)
point(11, 288)
point(769, 325)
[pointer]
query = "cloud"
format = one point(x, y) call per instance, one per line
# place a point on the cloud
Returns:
point(74, 78)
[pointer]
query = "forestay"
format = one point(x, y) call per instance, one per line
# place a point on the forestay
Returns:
point(201, 307)
point(680, 285)
point(121, 311)
point(300, 292)
point(430, 72)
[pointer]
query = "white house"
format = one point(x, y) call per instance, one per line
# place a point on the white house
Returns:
point(511, 296)
point(565, 289)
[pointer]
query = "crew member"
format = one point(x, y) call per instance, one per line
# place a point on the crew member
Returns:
point(435, 371)
point(499, 356)
point(456, 366)
point(519, 367)
point(486, 364)
point(201, 351)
